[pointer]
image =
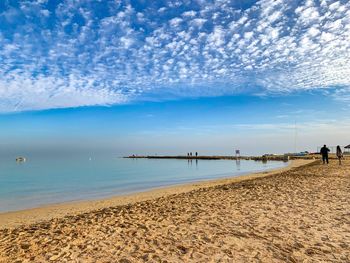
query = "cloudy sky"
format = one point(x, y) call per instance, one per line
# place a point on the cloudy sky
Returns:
point(162, 76)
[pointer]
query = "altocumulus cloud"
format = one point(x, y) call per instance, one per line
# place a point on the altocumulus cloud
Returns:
point(56, 54)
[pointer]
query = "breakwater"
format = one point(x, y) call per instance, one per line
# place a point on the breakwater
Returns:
point(215, 157)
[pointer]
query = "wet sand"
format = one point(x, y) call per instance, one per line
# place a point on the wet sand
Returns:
point(297, 215)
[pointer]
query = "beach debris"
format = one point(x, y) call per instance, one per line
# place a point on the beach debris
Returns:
point(54, 257)
point(25, 245)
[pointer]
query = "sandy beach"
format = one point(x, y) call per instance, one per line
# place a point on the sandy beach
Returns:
point(298, 214)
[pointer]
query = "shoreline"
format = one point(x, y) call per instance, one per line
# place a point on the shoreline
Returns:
point(300, 214)
point(13, 219)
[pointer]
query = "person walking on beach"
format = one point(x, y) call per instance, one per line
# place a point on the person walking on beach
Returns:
point(339, 154)
point(324, 151)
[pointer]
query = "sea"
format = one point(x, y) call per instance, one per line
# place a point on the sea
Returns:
point(43, 181)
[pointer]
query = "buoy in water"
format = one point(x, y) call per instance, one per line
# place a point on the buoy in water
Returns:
point(20, 159)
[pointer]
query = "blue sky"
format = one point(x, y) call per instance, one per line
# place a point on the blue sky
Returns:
point(166, 76)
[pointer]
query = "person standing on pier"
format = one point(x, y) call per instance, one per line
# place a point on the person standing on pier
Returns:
point(324, 151)
point(196, 154)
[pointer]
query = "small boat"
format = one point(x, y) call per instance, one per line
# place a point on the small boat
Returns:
point(21, 159)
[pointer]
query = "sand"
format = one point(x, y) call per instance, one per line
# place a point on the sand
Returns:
point(301, 214)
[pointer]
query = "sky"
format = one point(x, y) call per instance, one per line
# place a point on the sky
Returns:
point(169, 77)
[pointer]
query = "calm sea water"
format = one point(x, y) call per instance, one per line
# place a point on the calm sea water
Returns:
point(42, 181)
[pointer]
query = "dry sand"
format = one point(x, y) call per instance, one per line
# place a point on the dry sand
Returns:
point(297, 215)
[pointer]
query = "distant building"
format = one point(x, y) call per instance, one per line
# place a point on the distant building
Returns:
point(347, 149)
point(301, 153)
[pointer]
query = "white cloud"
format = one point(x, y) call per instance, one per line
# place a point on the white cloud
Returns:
point(198, 22)
point(45, 12)
point(179, 49)
point(189, 13)
point(175, 21)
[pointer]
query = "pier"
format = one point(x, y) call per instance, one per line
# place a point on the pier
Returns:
point(216, 157)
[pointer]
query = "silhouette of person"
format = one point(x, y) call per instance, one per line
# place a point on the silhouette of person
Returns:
point(339, 154)
point(324, 151)
point(196, 154)
point(191, 154)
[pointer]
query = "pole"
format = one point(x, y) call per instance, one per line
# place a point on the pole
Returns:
point(295, 136)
